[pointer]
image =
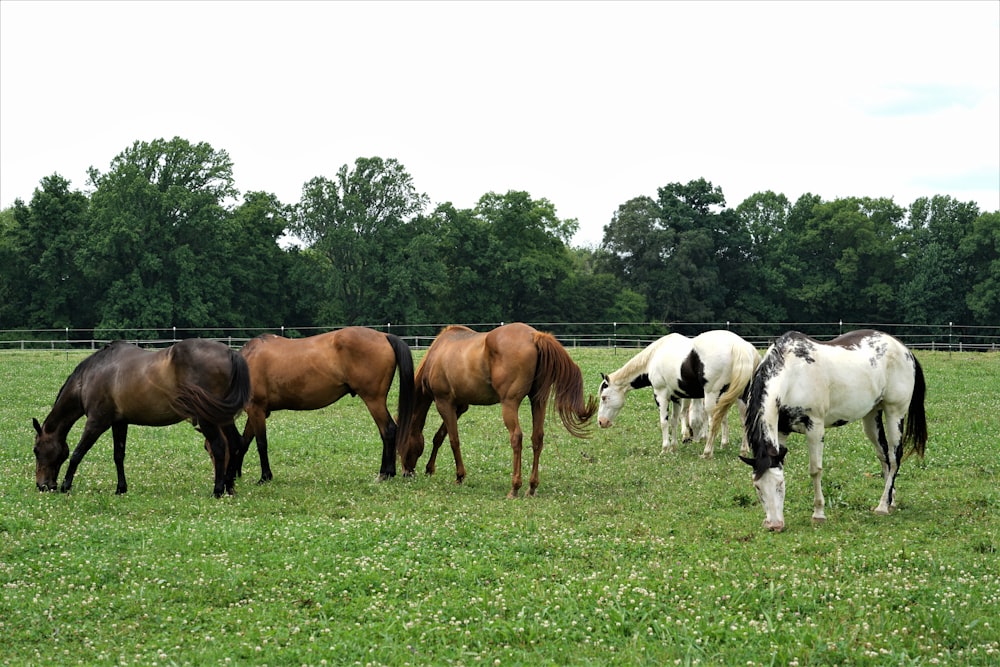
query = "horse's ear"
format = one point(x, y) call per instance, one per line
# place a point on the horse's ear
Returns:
point(38, 427)
point(782, 450)
point(604, 377)
point(749, 461)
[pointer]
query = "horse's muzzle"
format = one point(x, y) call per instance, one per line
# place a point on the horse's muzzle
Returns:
point(603, 422)
point(46, 486)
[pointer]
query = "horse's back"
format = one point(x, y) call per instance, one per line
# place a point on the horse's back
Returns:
point(480, 368)
point(844, 379)
point(310, 373)
point(126, 382)
point(667, 357)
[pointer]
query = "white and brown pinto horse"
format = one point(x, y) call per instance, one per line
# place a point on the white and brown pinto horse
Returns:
point(805, 386)
point(715, 366)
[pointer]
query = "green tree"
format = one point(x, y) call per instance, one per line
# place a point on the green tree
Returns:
point(981, 250)
point(528, 252)
point(675, 249)
point(937, 277)
point(44, 236)
point(158, 252)
point(841, 259)
point(357, 221)
point(11, 304)
point(636, 244)
point(757, 284)
point(259, 274)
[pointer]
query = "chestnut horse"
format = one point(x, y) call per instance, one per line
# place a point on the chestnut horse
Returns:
point(314, 372)
point(122, 384)
point(463, 368)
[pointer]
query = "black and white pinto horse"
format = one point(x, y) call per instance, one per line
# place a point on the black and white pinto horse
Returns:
point(804, 386)
point(715, 366)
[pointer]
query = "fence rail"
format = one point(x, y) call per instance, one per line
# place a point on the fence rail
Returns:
point(947, 336)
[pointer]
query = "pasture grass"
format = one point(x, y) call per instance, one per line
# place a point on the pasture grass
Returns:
point(625, 555)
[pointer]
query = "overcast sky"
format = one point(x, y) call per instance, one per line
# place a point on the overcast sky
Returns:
point(587, 104)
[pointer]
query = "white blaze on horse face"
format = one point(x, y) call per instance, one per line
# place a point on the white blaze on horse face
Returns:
point(612, 400)
point(771, 491)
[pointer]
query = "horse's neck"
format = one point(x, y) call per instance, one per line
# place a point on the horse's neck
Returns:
point(67, 409)
point(633, 368)
point(422, 400)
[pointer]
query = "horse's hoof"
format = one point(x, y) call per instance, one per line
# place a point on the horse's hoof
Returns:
point(818, 520)
point(120, 491)
point(881, 511)
point(707, 455)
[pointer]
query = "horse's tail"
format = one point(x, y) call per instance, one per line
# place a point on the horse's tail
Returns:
point(915, 434)
point(557, 371)
point(204, 407)
point(744, 362)
point(404, 362)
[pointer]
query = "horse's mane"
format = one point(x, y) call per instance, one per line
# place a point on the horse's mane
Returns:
point(638, 364)
point(88, 363)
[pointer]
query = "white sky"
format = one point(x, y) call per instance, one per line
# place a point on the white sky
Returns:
point(587, 104)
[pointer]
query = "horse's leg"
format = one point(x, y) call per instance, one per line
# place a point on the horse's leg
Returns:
point(256, 427)
point(449, 415)
point(537, 435)
point(889, 458)
point(711, 398)
point(439, 437)
point(814, 438)
point(92, 430)
point(745, 443)
point(668, 421)
point(510, 420)
point(438, 440)
point(687, 429)
point(234, 443)
point(387, 430)
point(119, 432)
point(220, 456)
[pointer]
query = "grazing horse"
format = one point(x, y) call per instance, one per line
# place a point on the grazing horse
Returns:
point(463, 368)
point(715, 366)
point(122, 384)
point(314, 372)
point(805, 386)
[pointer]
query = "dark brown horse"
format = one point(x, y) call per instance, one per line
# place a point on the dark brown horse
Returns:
point(122, 384)
point(463, 368)
point(311, 373)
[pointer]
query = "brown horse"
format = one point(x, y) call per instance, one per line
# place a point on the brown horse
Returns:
point(463, 368)
point(122, 384)
point(311, 373)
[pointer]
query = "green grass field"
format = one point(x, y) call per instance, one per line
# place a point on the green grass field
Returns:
point(625, 556)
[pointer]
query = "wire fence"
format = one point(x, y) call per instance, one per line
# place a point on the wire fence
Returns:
point(948, 336)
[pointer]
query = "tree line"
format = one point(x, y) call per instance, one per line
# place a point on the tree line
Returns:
point(164, 238)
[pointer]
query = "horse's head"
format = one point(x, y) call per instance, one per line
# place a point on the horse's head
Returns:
point(51, 451)
point(410, 449)
point(769, 480)
point(612, 399)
